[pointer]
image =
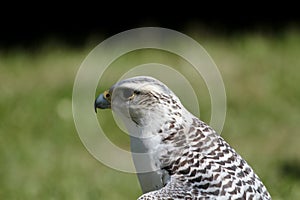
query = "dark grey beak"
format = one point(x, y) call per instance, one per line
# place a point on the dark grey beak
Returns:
point(101, 102)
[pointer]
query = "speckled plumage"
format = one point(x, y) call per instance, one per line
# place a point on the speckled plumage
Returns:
point(197, 162)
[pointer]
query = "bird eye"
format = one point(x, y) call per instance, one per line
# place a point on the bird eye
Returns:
point(137, 92)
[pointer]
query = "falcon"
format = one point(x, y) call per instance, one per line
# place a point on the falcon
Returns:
point(186, 157)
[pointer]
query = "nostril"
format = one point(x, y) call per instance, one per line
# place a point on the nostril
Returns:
point(106, 95)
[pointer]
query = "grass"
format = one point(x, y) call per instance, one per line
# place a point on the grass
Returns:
point(42, 157)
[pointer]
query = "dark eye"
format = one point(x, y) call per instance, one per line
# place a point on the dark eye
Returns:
point(137, 92)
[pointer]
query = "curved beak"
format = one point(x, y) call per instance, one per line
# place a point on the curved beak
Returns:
point(101, 102)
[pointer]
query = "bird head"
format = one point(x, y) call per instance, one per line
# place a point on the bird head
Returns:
point(139, 101)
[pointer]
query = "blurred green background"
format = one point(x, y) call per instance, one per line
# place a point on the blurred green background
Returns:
point(42, 157)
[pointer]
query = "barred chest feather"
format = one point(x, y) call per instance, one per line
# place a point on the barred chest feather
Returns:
point(196, 156)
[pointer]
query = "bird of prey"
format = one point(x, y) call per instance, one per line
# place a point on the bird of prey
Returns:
point(189, 159)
